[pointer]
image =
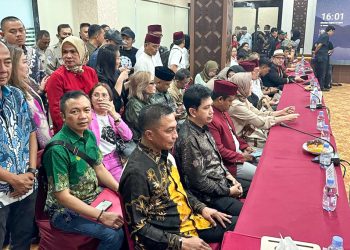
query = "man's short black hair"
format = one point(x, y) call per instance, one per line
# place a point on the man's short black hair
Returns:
point(264, 61)
point(94, 30)
point(125, 28)
point(151, 115)
point(42, 33)
point(194, 95)
point(329, 28)
point(75, 94)
point(182, 74)
point(235, 69)
point(103, 26)
point(62, 26)
point(82, 25)
point(274, 30)
point(9, 19)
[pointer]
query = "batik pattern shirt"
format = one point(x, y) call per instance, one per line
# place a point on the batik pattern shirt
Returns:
point(16, 124)
point(200, 163)
point(67, 171)
point(159, 210)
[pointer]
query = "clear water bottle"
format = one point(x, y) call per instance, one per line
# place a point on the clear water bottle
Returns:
point(317, 95)
point(297, 69)
point(303, 60)
point(320, 120)
point(337, 243)
point(325, 133)
point(313, 102)
point(329, 201)
point(314, 83)
point(325, 156)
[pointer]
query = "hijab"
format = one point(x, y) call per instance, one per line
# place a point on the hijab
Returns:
point(244, 82)
point(208, 66)
point(82, 51)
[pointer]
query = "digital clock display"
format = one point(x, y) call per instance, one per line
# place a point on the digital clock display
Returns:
point(332, 16)
point(335, 13)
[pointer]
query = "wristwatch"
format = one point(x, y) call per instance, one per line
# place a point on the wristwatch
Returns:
point(34, 171)
point(118, 120)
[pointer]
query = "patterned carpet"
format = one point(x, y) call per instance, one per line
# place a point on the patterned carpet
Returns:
point(338, 103)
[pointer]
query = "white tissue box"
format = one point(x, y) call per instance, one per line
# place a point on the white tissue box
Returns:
point(270, 243)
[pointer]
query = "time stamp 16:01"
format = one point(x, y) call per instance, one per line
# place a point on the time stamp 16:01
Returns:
point(333, 16)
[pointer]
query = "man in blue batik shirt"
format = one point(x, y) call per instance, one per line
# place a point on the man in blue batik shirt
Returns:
point(18, 152)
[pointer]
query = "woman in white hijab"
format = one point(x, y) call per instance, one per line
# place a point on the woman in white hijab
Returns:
point(72, 75)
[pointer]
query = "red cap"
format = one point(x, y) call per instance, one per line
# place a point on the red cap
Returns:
point(249, 65)
point(152, 39)
point(154, 28)
point(225, 87)
point(178, 35)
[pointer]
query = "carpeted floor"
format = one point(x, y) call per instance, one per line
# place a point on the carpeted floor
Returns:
point(338, 103)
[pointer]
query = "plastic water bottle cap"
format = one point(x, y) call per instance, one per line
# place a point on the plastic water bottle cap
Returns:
point(320, 113)
point(330, 182)
point(325, 126)
point(326, 145)
point(337, 241)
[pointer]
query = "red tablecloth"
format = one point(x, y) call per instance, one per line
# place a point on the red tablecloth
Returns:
point(286, 193)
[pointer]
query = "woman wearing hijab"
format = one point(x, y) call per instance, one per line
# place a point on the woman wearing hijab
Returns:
point(250, 123)
point(210, 70)
point(72, 75)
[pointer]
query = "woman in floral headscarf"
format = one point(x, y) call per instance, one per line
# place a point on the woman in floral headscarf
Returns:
point(250, 123)
point(72, 75)
point(210, 70)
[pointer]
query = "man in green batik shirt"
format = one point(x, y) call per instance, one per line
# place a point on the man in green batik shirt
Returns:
point(73, 183)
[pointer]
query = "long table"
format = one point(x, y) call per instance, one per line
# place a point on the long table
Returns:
point(286, 193)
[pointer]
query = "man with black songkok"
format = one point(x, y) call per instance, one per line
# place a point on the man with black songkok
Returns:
point(163, 78)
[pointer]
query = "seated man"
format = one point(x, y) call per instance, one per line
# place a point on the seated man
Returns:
point(163, 78)
point(199, 160)
point(277, 76)
point(235, 152)
point(177, 89)
point(161, 214)
point(73, 183)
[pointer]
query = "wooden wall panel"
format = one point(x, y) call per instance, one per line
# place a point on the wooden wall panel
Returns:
point(210, 31)
point(299, 18)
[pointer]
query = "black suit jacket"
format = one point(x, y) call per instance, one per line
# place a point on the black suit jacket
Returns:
point(275, 78)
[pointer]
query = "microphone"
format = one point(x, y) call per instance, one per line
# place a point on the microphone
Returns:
point(319, 104)
point(335, 158)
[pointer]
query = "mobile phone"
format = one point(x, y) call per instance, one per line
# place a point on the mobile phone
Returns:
point(104, 205)
point(304, 77)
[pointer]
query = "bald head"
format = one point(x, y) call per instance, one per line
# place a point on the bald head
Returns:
point(5, 64)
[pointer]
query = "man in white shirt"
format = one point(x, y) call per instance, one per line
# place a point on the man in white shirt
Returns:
point(177, 56)
point(156, 30)
point(246, 37)
point(145, 62)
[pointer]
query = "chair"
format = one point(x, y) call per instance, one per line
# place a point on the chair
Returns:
point(215, 246)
